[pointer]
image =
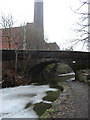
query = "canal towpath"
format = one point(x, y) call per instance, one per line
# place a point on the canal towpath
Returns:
point(72, 103)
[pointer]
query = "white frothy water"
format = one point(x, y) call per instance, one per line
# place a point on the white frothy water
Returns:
point(15, 99)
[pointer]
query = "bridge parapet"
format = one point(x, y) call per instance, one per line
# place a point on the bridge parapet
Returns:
point(46, 54)
point(75, 59)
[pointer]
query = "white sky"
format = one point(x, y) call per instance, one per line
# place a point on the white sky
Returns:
point(58, 17)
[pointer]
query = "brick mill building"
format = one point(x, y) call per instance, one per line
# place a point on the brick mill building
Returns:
point(29, 36)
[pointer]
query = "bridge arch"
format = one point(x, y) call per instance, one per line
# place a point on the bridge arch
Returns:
point(38, 68)
point(75, 65)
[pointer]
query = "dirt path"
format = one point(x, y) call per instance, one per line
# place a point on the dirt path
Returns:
point(72, 103)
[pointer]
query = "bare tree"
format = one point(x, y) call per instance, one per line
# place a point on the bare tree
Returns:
point(11, 36)
point(83, 24)
point(6, 23)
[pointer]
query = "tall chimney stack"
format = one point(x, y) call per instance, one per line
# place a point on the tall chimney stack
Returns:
point(38, 13)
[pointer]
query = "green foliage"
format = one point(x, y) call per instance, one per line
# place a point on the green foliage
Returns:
point(28, 105)
point(80, 77)
point(52, 95)
point(63, 68)
point(61, 86)
point(42, 106)
point(89, 83)
point(52, 67)
point(45, 115)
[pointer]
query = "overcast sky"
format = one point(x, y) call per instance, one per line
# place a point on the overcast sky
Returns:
point(58, 17)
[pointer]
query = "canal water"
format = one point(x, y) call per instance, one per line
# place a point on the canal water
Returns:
point(29, 101)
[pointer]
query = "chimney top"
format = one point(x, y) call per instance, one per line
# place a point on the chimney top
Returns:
point(38, 0)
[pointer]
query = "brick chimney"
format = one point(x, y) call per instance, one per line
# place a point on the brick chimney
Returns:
point(38, 13)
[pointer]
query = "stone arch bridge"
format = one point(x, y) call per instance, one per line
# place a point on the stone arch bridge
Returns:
point(38, 60)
